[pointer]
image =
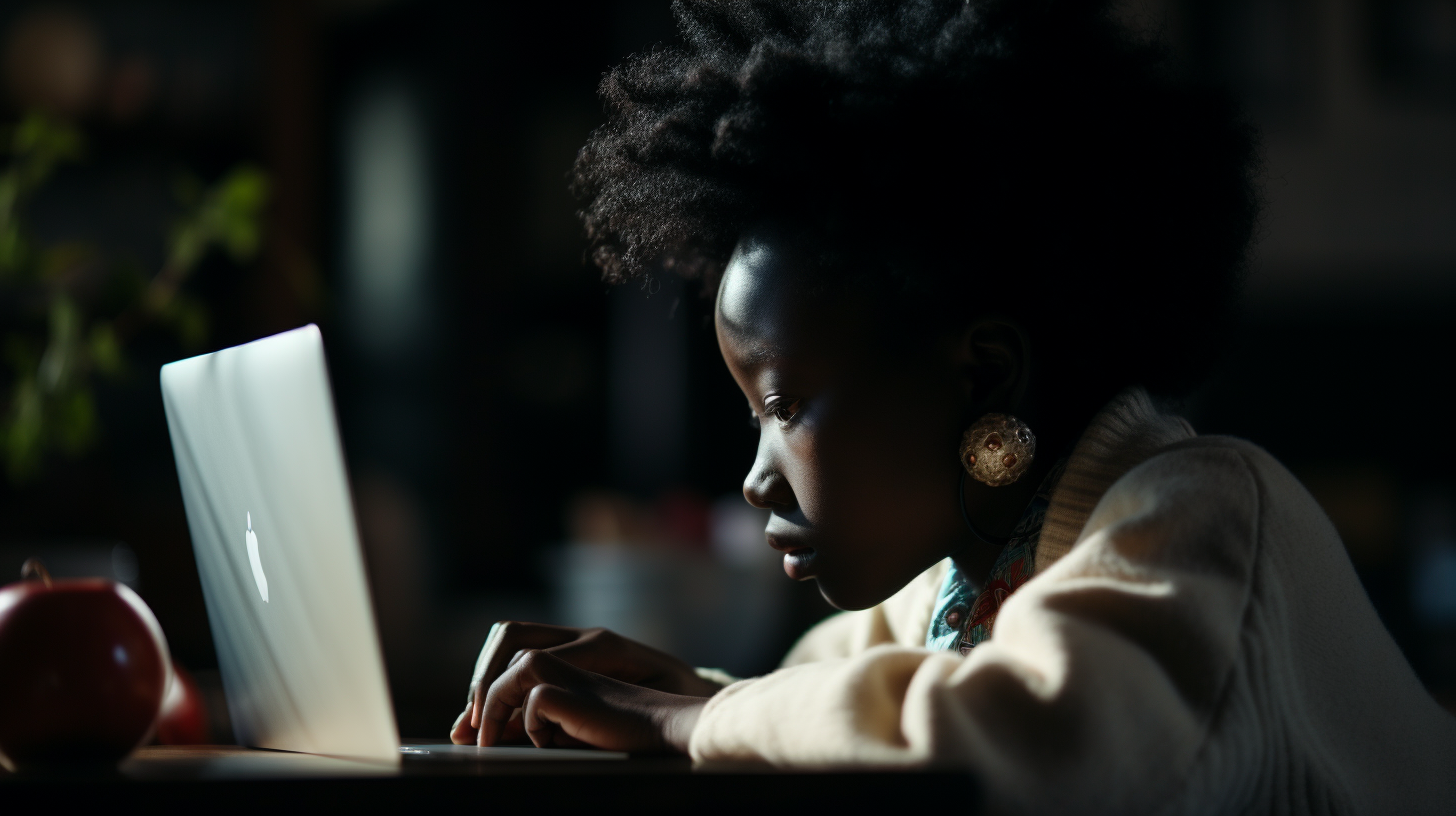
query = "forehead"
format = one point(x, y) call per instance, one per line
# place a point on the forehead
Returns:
point(767, 305)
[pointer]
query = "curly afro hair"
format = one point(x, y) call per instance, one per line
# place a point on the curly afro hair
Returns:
point(1021, 158)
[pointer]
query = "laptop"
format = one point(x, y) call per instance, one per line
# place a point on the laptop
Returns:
point(272, 523)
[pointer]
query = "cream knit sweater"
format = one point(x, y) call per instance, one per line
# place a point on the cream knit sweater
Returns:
point(1195, 640)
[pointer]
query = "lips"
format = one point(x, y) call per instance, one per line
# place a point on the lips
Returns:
point(800, 564)
point(799, 561)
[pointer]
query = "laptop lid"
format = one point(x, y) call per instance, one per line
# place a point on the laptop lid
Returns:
point(267, 498)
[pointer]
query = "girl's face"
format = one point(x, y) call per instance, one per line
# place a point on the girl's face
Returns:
point(857, 450)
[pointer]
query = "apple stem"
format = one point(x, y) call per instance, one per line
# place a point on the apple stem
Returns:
point(33, 568)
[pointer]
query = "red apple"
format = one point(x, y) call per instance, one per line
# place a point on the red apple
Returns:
point(83, 670)
point(183, 720)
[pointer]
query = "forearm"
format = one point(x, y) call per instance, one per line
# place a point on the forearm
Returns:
point(679, 722)
point(841, 711)
point(1054, 708)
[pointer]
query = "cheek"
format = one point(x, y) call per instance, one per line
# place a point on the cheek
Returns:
point(885, 476)
point(883, 503)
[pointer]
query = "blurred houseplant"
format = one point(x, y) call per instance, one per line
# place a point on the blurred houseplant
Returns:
point(68, 313)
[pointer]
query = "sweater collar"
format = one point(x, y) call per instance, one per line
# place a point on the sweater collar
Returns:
point(1126, 432)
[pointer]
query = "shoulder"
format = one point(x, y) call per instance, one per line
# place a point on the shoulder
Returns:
point(1218, 474)
point(1211, 501)
point(1192, 508)
point(1199, 476)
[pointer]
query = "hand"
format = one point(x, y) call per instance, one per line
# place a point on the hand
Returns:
point(563, 706)
point(595, 650)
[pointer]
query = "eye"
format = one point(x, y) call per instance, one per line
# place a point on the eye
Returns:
point(784, 410)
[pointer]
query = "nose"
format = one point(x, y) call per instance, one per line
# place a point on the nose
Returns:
point(765, 486)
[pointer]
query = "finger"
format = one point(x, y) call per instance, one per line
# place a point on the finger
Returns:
point(482, 665)
point(547, 707)
point(473, 697)
point(462, 733)
point(510, 690)
point(508, 637)
point(604, 652)
point(514, 732)
point(501, 644)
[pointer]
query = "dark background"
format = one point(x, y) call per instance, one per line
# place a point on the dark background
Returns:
point(515, 430)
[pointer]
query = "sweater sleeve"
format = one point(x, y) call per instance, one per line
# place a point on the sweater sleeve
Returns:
point(1102, 670)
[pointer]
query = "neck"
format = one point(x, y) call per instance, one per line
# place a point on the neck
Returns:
point(994, 512)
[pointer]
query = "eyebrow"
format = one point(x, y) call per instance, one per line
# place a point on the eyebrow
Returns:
point(760, 351)
point(763, 354)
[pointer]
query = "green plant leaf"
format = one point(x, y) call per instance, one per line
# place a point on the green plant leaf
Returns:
point(105, 351)
point(188, 317)
point(186, 244)
point(24, 431)
point(229, 213)
point(45, 142)
point(12, 249)
point(64, 354)
point(74, 421)
point(50, 404)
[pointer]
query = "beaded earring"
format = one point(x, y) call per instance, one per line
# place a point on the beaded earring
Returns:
point(997, 449)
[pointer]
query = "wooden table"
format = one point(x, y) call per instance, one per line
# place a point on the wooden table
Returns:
point(230, 779)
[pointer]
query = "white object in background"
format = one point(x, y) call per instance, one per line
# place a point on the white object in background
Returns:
point(736, 529)
point(388, 218)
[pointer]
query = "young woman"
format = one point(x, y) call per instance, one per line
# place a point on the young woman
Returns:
point(958, 248)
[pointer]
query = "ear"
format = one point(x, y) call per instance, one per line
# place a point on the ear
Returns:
point(993, 358)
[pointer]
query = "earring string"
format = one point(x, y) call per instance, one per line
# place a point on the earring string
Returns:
point(966, 517)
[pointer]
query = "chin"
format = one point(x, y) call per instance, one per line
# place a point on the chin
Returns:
point(849, 598)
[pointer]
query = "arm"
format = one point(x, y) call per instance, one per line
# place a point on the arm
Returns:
point(584, 704)
point(1095, 691)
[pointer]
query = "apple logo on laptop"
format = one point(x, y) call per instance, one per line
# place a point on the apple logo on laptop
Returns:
point(256, 561)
